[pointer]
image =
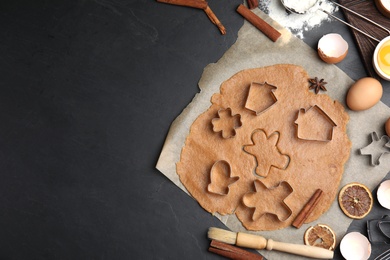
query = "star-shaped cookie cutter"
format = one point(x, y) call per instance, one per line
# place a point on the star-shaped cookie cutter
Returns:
point(372, 148)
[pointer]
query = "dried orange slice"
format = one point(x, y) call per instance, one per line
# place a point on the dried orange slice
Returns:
point(355, 200)
point(320, 235)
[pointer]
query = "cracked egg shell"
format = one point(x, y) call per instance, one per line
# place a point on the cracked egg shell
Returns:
point(383, 194)
point(332, 48)
point(355, 246)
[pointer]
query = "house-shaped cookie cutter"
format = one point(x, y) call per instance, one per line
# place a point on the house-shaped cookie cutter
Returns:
point(310, 120)
point(260, 97)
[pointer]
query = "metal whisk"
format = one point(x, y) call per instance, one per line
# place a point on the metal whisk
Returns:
point(288, 8)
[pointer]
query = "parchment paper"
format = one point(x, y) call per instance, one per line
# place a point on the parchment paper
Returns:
point(253, 50)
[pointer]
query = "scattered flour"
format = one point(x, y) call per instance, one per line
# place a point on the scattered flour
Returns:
point(299, 5)
point(298, 23)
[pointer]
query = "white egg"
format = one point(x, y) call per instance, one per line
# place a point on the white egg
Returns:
point(355, 246)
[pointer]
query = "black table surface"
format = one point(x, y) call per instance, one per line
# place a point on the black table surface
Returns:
point(88, 92)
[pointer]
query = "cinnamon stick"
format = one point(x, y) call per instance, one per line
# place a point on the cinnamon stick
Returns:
point(252, 4)
point(307, 209)
point(199, 4)
point(232, 252)
point(213, 18)
point(259, 23)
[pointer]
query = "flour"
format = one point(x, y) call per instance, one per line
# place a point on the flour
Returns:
point(299, 5)
point(298, 23)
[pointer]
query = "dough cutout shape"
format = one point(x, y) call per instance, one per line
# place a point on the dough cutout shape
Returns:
point(226, 123)
point(312, 165)
point(265, 149)
point(269, 200)
point(220, 178)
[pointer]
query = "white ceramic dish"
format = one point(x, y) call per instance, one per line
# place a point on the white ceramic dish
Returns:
point(375, 59)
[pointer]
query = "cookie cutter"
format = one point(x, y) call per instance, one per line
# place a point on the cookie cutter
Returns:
point(264, 165)
point(218, 187)
point(235, 121)
point(372, 148)
point(315, 112)
point(264, 92)
point(379, 230)
point(260, 185)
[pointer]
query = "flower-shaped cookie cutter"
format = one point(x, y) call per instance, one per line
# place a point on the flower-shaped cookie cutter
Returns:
point(314, 124)
point(221, 178)
point(226, 123)
point(377, 148)
point(265, 200)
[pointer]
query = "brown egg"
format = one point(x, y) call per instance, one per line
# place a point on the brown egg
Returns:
point(332, 48)
point(364, 94)
point(387, 126)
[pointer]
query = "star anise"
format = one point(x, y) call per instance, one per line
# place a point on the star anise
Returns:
point(317, 85)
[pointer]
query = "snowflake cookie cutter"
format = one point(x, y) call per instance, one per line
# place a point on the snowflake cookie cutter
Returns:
point(314, 124)
point(382, 144)
point(221, 178)
point(260, 97)
point(226, 123)
point(276, 198)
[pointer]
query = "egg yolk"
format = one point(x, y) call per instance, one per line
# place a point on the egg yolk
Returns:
point(384, 58)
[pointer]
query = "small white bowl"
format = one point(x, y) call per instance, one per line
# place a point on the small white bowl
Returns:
point(377, 69)
point(383, 194)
